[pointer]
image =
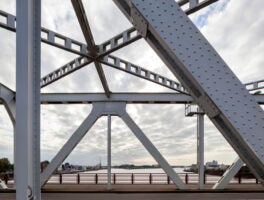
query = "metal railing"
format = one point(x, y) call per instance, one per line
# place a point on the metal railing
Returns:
point(138, 178)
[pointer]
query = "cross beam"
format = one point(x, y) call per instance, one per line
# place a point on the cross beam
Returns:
point(7, 97)
point(55, 39)
point(143, 73)
point(130, 98)
point(118, 42)
point(113, 44)
point(80, 12)
point(110, 109)
point(66, 69)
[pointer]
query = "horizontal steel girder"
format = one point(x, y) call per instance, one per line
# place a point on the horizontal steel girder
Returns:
point(8, 95)
point(130, 98)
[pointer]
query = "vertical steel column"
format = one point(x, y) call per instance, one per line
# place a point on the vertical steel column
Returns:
point(200, 147)
point(109, 153)
point(27, 129)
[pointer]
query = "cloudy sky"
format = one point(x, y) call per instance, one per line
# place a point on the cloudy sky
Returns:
point(234, 28)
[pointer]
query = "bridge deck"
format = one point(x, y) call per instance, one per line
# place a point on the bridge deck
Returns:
point(143, 196)
point(144, 188)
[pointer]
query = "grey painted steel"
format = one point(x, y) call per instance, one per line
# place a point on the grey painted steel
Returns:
point(48, 36)
point(106, 109)
point(65, 70)
point(255, 85)
point(83, 21)
point(141, 72)
point(130, 98)
point(9, 22)
point(123, 39)
point(200, 148)
point(105, 48)
point(204, 74)
point(60, 41)
point(109, 152)
point(116, 63)
point(152, 149)
point(73, 46)
point(71, 144)
point(7, 96)
point(229, 174)
point(27, 127)
point(195, 5)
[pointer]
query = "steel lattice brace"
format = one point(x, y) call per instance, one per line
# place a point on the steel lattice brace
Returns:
point(203, 73)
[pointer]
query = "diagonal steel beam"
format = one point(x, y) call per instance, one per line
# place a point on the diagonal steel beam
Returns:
point(123, 39)
point(66, 69)
point(47, 36)
point(126, 37)
point(7, 97)
point(151, 149)
point(201, 70)
point(229, 174)
point(80, 12)
point(70, 144)
point(60, 41)
point(141, 72)
point(116, 63)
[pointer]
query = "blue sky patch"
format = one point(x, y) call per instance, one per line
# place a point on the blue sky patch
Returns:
point(214, 8)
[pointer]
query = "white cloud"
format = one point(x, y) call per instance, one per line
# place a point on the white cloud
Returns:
point(234, 29)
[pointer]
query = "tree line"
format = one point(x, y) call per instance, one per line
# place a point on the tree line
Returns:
point(5, 165)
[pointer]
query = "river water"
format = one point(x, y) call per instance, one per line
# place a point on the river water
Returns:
point(133, 176)
point(149, 170)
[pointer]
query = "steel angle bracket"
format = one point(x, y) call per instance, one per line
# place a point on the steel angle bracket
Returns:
point(197, 65)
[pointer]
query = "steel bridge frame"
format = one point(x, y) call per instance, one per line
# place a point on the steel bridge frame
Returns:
point(23, 106)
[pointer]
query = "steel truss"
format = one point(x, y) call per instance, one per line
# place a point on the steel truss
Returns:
point(201, 70)
point(169, 44)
